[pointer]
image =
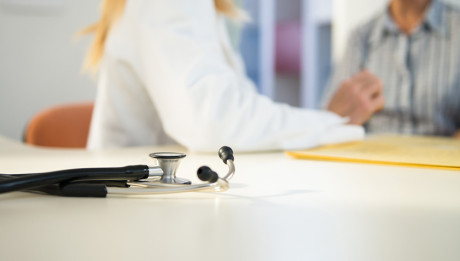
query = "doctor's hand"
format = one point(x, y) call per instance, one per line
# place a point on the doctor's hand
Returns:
point(358, 98)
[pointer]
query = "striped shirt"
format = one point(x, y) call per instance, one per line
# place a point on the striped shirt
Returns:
point(420, 71)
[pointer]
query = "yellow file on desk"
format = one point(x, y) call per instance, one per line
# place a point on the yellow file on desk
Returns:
point(416, 151)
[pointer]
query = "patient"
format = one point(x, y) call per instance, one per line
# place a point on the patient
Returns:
point(411, 51)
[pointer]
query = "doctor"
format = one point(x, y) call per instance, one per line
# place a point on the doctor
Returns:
point(168, 75)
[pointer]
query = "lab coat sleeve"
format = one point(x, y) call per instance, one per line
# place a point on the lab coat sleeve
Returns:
point(203, 104)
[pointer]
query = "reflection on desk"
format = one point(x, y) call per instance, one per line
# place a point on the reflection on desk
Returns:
point(277, 208)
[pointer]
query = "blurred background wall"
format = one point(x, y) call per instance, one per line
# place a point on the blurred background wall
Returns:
point(40, 60)
point(289, 49)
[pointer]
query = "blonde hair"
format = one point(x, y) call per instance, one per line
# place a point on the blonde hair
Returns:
point(111, 10)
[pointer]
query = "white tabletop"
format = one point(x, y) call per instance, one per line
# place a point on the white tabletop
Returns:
point(277, 208)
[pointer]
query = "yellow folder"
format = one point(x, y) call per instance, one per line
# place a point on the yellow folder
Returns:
point(416, 151)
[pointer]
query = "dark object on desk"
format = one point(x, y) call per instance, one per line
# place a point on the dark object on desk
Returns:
point(66, 182)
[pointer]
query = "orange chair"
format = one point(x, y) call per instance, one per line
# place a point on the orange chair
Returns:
point(61, 126)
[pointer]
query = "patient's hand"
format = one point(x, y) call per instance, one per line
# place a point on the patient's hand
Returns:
point(358, 98)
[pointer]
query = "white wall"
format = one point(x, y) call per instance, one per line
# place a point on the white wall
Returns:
point(39, 59)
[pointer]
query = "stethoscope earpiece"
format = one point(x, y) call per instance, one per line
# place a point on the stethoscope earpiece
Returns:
point(226, 153)
point(205, 173)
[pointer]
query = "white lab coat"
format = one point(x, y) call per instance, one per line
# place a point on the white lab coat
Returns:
point(169, 75)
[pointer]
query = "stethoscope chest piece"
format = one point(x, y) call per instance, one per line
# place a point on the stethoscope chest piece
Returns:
point(169, 162)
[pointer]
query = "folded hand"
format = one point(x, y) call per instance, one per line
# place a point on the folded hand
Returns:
point(358, 98)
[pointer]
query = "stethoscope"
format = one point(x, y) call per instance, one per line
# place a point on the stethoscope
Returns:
point(128, 180)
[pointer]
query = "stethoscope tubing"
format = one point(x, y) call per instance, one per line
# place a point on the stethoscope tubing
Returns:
point(29, 181)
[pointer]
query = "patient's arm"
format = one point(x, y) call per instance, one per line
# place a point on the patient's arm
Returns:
point(358, 98)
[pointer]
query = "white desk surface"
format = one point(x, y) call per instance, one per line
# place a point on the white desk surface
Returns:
point(277, 208)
